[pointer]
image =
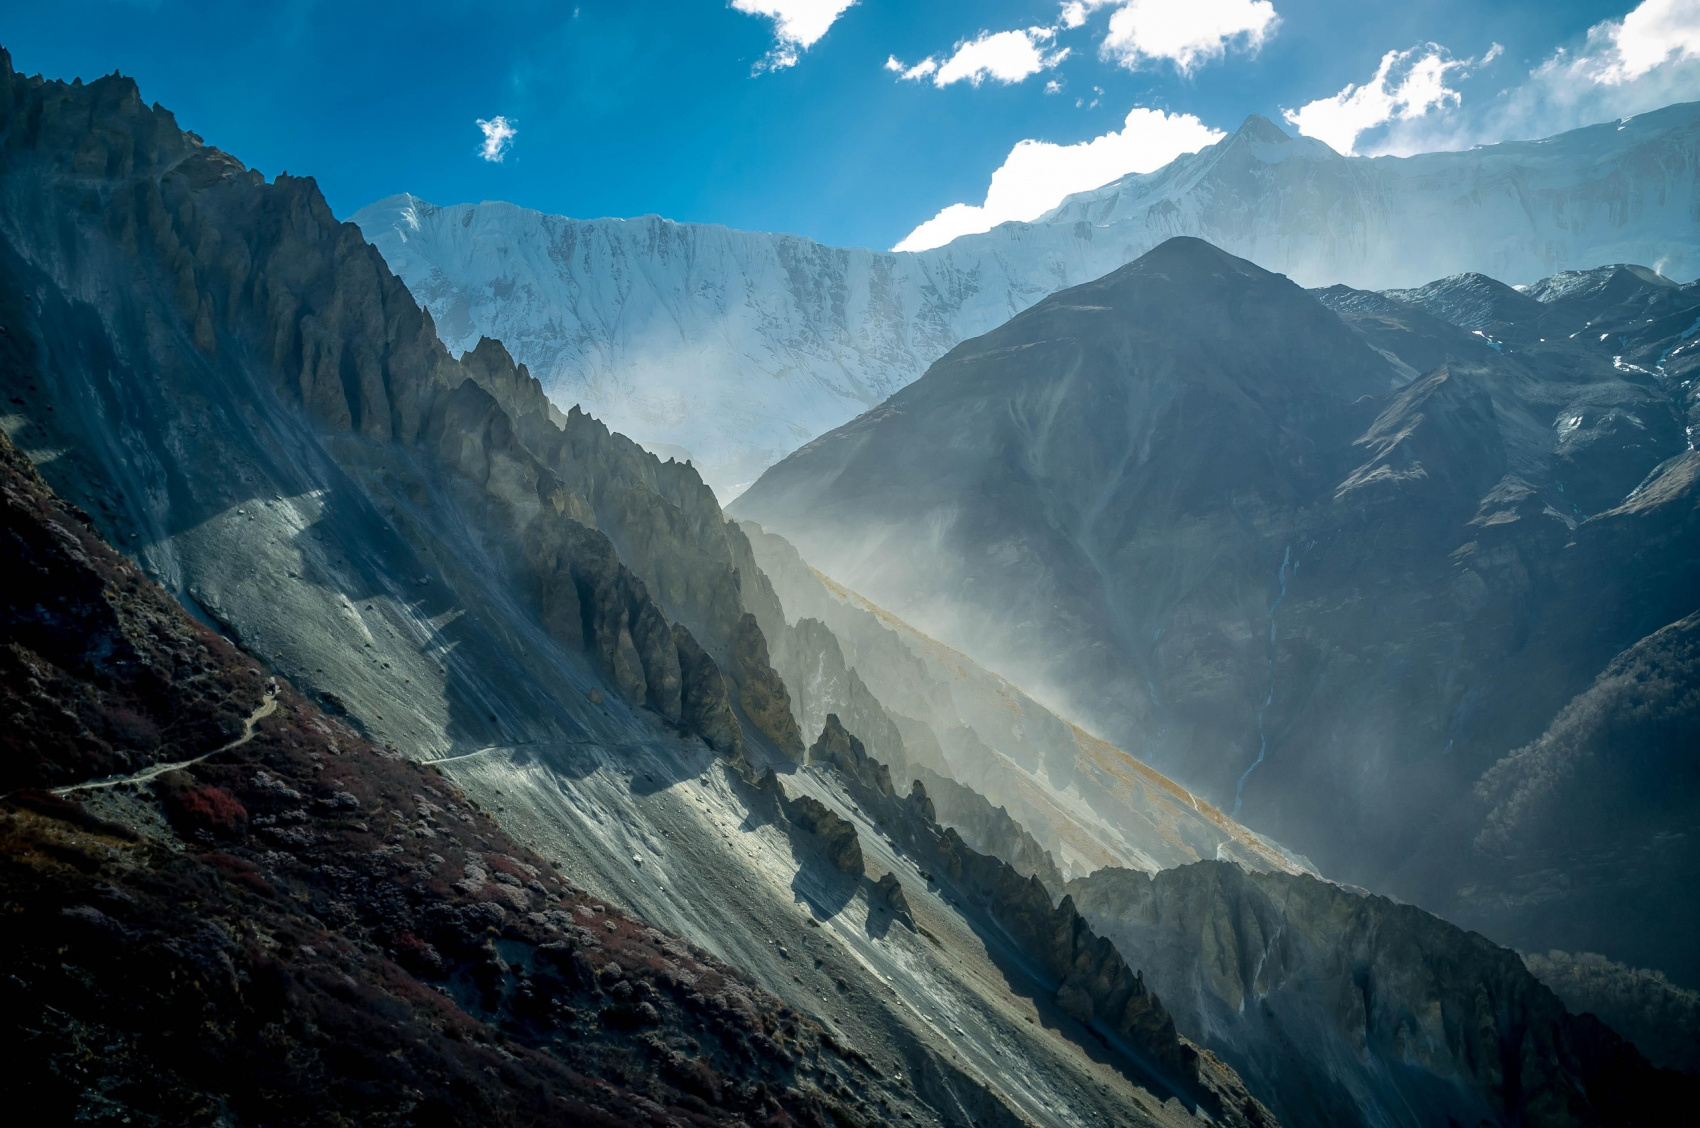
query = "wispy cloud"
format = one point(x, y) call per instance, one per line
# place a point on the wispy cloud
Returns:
point(1407, 85)
point(1004, 56)
point(1647, 59)
point(926, 68)
point(499, 134)
point(1187, 33)
point(797, 25)
point(1037, 175)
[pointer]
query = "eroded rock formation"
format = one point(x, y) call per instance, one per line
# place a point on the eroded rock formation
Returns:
point(761, 692)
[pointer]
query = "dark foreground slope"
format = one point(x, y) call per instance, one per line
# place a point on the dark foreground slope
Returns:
point(305, 928)
point(1326, 559)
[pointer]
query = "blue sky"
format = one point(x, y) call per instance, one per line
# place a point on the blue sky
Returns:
point(795, 115)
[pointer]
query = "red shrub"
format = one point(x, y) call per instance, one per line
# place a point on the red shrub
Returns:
point(208, 808)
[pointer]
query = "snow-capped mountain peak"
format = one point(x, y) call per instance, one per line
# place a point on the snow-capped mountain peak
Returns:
point(734, 348)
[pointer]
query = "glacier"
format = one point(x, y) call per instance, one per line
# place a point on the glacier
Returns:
point(733, 348)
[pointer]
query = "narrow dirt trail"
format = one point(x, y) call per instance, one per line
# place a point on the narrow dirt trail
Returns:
point(266, 707)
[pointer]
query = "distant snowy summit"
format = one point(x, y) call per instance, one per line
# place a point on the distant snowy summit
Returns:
point(733, 348)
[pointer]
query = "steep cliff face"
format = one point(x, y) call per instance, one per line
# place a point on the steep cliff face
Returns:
point(785, 339)
point(1344, 1008)
point(1324, 558)
point(253, 285)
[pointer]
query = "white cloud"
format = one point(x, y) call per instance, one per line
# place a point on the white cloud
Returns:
point(499, 134)
point(797, 24)
point(916, 73)
point(1654, 33)
point(1407, 85)
point(1037, 175)
point(1648, 59)
point(1005, 56)
point(1185, 32)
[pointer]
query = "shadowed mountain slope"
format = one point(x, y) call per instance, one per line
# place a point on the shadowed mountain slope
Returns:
point(1324, 558)
point(1349, 1009)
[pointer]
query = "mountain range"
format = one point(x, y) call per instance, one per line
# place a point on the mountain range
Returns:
point(733, 348)
point(391, 745)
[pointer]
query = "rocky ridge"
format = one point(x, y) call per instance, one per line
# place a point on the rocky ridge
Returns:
point(1660, 1018)
point(588, 525)
point(930, 711)
point(1093, 985)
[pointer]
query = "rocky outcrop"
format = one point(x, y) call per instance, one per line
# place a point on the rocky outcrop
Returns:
point(990, 830)
point(838, 748)
point(830, 832)
point(837, 836)
point(1343, 1008)
point(761, 692)
point(808, 656)
point(888, 892)
point(703, 705)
